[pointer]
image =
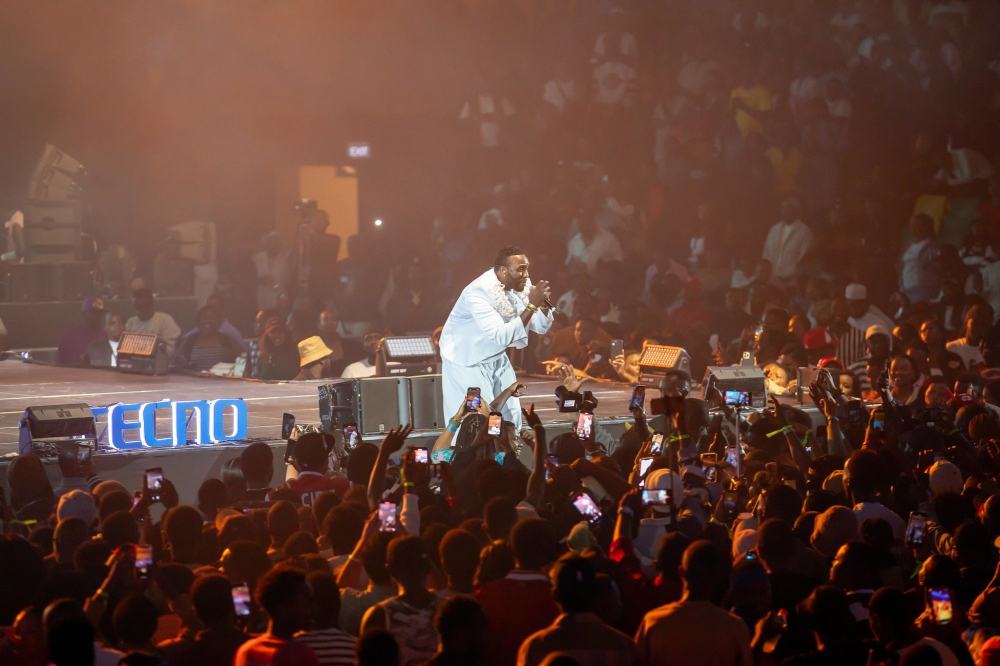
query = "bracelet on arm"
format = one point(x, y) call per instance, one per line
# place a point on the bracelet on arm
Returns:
point(531, 307)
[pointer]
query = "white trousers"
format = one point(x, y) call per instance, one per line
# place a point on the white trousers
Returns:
point(491, 377)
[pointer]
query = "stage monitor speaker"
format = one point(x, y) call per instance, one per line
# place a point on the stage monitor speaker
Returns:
point(57, 176)
point(737, 378)
point(48, 282)
point(50, 425)
point(375, 404)
point(426, 400)
point(52, 231)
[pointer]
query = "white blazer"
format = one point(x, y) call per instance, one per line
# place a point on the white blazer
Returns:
point(476, 330)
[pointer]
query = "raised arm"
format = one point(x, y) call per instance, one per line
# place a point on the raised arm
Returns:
point(536, 480)
point(393, 442)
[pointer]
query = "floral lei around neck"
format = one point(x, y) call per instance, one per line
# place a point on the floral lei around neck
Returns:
point(503, 300)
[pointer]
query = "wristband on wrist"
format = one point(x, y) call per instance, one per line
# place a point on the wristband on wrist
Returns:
point(531, 307)
point(451, 428)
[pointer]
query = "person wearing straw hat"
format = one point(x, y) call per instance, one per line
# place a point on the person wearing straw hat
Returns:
point(313, 357)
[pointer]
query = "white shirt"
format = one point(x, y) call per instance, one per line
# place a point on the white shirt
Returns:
point(161, 324)
point(603, 246)
point(114, 353)
point(870, 318)
point(359, 369)
point(866, 510)
point(476, 330)
point(991, 285)
point(970, 353)
point(911, 264)
point(785, 246)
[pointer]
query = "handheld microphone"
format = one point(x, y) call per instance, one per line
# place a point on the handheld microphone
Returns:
point(549, 305)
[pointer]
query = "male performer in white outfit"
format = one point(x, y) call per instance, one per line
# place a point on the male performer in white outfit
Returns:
point(494, 312)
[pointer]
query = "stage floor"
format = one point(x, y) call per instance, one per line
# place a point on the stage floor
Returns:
point(28, 384)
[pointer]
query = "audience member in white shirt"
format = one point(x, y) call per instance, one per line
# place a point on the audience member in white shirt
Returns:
point(978, 321)
point(592, 244)
point(148, 320)
point(863, 313)
point(366, 366)
point(787, 242)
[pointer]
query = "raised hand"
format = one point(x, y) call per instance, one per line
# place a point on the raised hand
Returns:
point(530, 416)
point(778, 414)
point(395, 438)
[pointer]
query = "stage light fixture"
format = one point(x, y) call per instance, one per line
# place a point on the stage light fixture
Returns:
point(142, 354)
point(737, 378)
point(378, 223)
point(406, 355)
point(655, 360)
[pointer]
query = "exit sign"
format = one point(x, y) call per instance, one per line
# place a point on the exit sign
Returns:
point(358, 150)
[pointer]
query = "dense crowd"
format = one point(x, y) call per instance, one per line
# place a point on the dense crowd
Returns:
point(728, 177)
point(702, 535)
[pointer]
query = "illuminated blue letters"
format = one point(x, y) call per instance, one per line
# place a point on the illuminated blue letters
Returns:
point(208, 418)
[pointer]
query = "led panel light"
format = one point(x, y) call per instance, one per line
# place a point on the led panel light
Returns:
point(415, 347)
point(138, 344)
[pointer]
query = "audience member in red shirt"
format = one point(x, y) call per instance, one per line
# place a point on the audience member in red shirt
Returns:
point(284, 594)
point(312, 460)
point(521, 603)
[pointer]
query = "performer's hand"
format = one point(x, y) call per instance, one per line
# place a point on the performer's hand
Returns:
point(515, 389)
point(538, 293)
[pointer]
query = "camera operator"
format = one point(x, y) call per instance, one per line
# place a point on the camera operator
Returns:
point(314, 271)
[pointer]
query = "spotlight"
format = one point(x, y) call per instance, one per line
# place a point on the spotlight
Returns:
point(378, 223)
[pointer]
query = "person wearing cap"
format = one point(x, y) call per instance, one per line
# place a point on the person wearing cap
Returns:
point(863, 313)
point(74, 341)
point(78, 504)
point(978, 321)
point(104, 353)
point(878, 342)
point(653, 527)
point(148, 320)
point(919, 270)
point(819, 343)
point(787, 243)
